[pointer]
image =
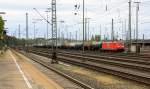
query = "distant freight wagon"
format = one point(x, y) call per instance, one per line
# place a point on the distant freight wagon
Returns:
point(113, 46)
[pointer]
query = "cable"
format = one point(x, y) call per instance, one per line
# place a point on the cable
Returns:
point(42, 16)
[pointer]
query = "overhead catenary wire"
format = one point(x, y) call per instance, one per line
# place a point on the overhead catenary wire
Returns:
point(42, 16)
point(113, 9)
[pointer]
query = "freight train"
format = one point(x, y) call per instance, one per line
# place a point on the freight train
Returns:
point(113, 46)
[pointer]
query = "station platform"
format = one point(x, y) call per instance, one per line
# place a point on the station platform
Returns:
point(18, 73)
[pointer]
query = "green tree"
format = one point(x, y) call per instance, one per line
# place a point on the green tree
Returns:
point(1, 27)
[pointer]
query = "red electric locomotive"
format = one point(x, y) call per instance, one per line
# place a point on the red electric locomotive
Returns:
point(113, 46)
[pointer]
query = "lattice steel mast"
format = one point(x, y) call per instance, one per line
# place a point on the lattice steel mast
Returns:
point(54, 32)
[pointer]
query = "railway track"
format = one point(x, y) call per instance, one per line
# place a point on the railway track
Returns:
point(97, 53)
point(140, 65)
point(46, 65)
point(128, 59)
point(136, 70)
point(121, 55)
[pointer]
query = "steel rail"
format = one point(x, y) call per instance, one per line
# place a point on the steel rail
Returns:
point(81, 84)
point(125, 73)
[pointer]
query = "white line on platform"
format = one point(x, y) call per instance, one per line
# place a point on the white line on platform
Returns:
point(23, 75)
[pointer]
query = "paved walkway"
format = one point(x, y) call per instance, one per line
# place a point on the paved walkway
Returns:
point(16, 72)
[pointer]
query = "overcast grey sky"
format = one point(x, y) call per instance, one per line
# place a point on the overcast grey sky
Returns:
point(95, 10)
